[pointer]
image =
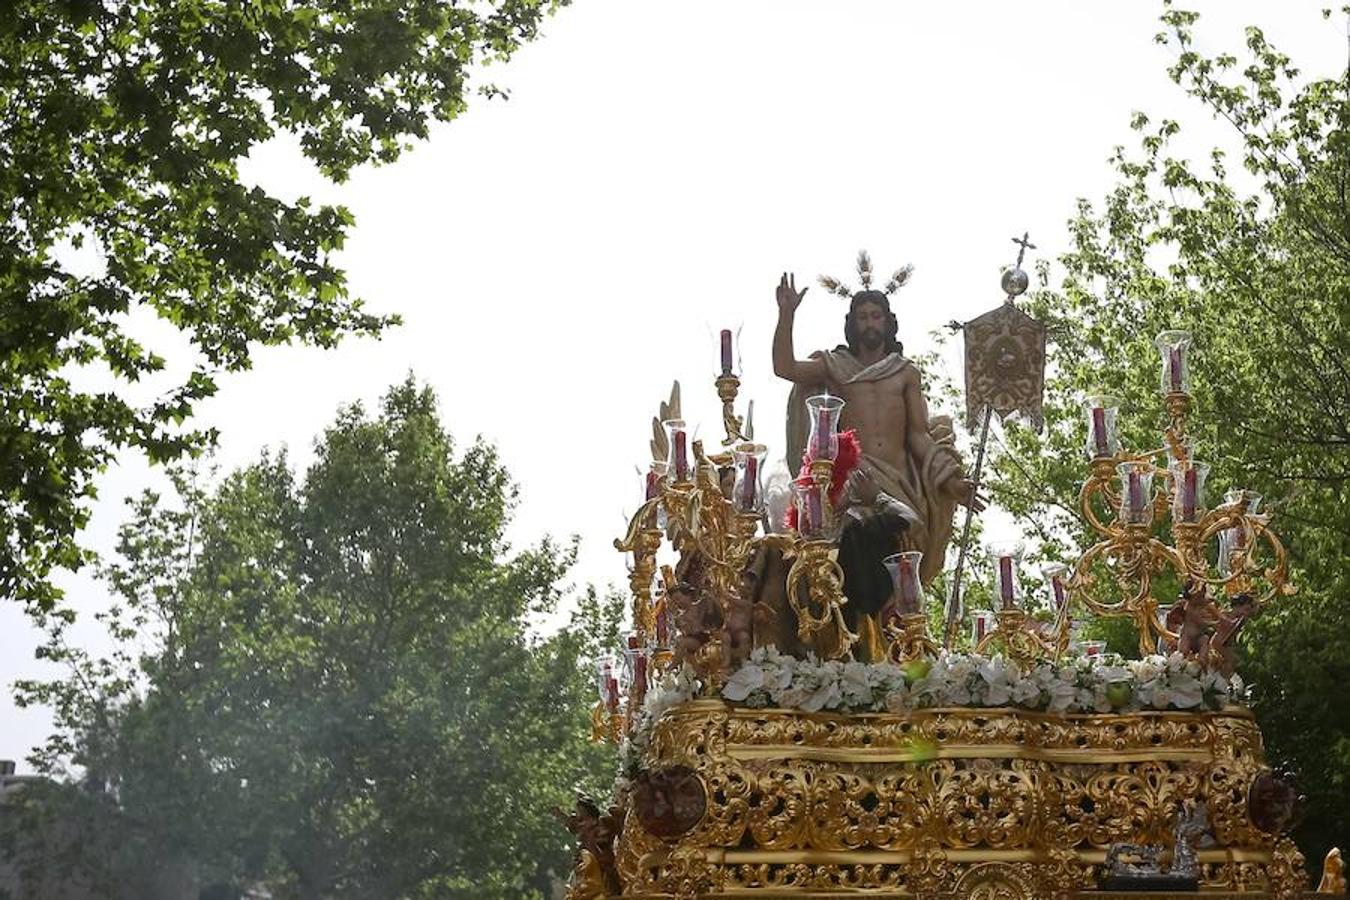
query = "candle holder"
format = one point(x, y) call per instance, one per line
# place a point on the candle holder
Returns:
point(903, 621)
point(747, 491)
point(1188, 491)
point(1103, 441)
point(1056, 577)
point(1015, 634)
point(812, 501)
point(607, 719)
point(1176, 373)
point(823, 411)
point(1005, 561)
point(678, 464)
point(981, 626)
point(1136, 492)
point(1127, 548)
point(815, 591)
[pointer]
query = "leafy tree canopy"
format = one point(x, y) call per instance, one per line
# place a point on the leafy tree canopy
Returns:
point(122, 125)
point(1250, 251)
point(344, 693)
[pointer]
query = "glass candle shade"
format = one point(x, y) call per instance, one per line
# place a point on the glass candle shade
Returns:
point(1233, 541)
point(662, 623)
point(747, 492)
point(677, 453)
point(1188, 491)
point(655, 475)
point(1176, 375)
point(1102, 439)
point(728, 351)
point(824, 410)
point(1093, 648)
point(981, 623)
point(906, 591)
point(1006, 589)
point(1238, 495)
point(1056, 582)
point(1136, 493)
point(637, 664)
point(810, 500)
point(607, 680)
point(1232, 545)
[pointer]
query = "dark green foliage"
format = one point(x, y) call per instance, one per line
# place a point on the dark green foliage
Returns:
point(123, 124)
point(1256, 264)
point(346, 695)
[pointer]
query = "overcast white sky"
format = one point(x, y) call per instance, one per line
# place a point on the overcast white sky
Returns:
point(559, 258)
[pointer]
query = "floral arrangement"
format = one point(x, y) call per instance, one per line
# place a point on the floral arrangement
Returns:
point(1083, 684)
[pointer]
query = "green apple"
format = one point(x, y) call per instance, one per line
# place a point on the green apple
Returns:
point(1118, 693)
point(917, 669)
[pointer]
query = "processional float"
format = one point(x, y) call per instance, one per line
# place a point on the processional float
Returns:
point(775, 743)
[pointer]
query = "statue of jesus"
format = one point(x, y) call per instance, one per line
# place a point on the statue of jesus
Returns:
point(905, 455)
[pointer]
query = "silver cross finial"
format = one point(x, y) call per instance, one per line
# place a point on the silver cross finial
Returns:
point(1024, 245)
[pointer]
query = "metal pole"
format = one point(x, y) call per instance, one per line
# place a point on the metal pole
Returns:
point(954, 604)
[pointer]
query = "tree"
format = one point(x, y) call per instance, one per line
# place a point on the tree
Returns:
point(122, 129)
point(347, 696)
point(1256, 264)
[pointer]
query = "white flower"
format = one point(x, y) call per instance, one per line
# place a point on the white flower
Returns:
point(1184, 691)
point(900, 700)
point(997, 690)
point(827, 696)
point(1062, 694)
point(743, 682)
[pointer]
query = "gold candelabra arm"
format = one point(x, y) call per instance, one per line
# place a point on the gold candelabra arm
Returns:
point(908, 638)
point(815, 567)
point(727, 388)
point(636, 525)
point(1103, 470)
point(1019, 641)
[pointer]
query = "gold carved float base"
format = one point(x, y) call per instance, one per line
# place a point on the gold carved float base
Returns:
point(995, 804)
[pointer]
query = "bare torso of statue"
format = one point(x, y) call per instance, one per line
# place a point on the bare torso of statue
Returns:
point(904, 454)
point(878, 411)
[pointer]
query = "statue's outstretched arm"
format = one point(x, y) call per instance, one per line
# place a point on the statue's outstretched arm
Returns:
point(785, 363)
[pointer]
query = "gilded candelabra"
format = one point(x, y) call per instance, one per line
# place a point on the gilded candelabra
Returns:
point(714, 527)
point(1122, 482)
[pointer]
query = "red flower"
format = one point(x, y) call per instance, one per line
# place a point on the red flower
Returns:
point(850, 454)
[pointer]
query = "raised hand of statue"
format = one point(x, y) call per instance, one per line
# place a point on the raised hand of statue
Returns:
point(788, 297)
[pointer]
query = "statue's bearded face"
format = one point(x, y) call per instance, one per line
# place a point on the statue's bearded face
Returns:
point(870, 325)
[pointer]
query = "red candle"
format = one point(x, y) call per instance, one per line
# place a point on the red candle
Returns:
point(908, 600)
point(1188, 493)
point(1099, 431)
point(815, 514)
point(1005, 586)
point(663, 623)
point(1057, 585)
point(1174, 364)
point(823, 430)
point(750, 489)
point(726, 351)
point(653, 484)
point(981, 624)
point(1136, 495)
point(640, 676)
point(681, 455)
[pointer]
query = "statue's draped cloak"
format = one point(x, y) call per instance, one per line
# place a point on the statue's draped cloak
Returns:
point(918, 486)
